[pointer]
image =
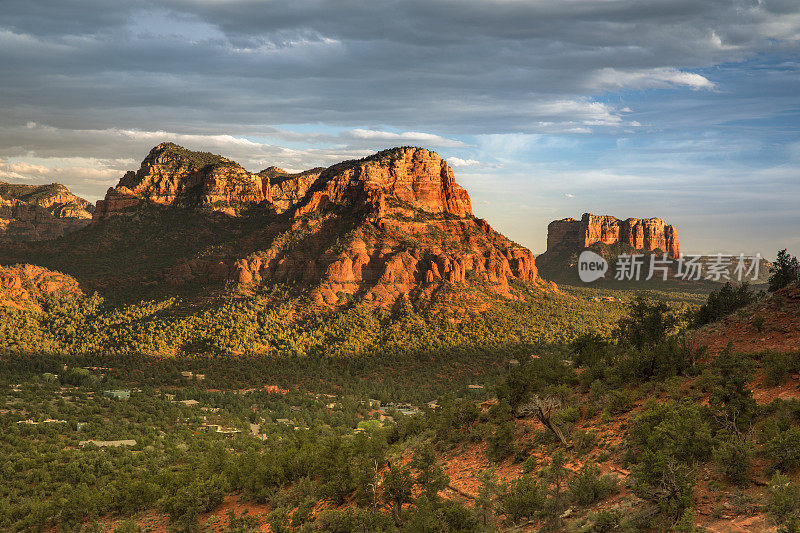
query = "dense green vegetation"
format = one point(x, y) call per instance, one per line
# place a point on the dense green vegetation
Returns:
point(334, 463)
point(273, 322)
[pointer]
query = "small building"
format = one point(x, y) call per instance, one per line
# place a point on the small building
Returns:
point(373, 403)
point(109, 443)
point(513, 362)
point(199, 377)
point(284, 421)
point(189, 403)
point(216, 428)
point(170, 397)
point(187, 374)
point(474, 388)
point(433, 404)
point(118, 394)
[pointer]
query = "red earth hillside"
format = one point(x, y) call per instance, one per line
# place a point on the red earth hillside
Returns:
point(770, 324)
point(21, 285)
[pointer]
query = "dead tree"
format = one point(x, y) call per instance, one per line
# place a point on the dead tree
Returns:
point(543, 408)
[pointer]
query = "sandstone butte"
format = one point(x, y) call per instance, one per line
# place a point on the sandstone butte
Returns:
point(391, 225)
point(40, 212)
point(650, 234)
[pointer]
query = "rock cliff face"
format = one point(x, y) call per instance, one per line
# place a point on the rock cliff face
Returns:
point(171, 175)
point(21, 285)
point(40, 212)
point(288, 189)
point(389, 258)
point(649, 234)
point(414, 176)
point(389, 226)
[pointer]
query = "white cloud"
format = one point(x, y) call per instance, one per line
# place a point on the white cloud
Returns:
point(27, 168)
point(409, 136)
point(458, 162)
point(612, 78)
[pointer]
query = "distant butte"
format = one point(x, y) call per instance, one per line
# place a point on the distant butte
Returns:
point(649, 234)
point(40, 212)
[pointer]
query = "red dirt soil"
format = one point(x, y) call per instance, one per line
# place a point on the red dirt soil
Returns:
point(779, 329)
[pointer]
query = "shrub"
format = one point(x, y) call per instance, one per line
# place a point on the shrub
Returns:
point(523, 498)
point(588, 349)
point(588, 486)
point(677, 429)
point(597, 391)
point(500, 444)
point(778, 365)
point(529, 465)
point(669, 357)
point(785, 448)
point(244, 523)
point(352, 521)
point(784, 499)
point(442, 517)
point(729, 394)
point(620, 401)
point(686, 523)
point(664, 482)
point(732, 457)
point(606, 520)
point(583, 441)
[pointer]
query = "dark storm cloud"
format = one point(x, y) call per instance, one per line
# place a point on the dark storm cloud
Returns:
point(466, 66)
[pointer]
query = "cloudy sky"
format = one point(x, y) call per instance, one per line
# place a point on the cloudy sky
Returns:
point(688, 110)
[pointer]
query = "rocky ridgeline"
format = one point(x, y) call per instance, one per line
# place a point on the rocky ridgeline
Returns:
point(21, 285)
point(40, 212)
point(392, 225)
point(650, 234)
point(171, 175)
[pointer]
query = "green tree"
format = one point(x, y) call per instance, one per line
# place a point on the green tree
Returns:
point(647, 324)
point(723, 302)
point(784, 271)
point(431, 478)
point(729, 395)
point(398, 488)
